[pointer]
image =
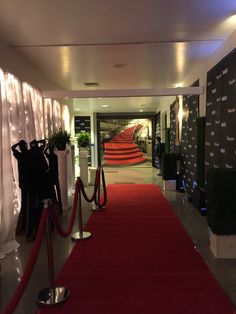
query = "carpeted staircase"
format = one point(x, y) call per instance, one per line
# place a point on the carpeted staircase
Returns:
point(122, 150)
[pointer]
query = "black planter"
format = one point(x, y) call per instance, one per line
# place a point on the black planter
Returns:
point(221, 201)
point(169, 166)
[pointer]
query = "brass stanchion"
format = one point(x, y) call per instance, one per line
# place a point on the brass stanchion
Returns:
point(80, 235)
point(52, 295)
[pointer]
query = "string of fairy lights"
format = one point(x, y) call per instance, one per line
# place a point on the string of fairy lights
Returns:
point(26, 115)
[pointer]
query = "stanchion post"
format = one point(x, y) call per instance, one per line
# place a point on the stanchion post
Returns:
point(80, 235)
point(80, 215)
point(51, 295)
point(94, 206)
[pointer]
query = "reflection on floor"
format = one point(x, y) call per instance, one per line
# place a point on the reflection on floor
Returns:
point(13, 265)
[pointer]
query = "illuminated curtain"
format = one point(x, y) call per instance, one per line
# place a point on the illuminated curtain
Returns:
point(24, 116)
point(66, 118)
point(9, 205)
point(48, 126)
point(56, 114)
point(33, 106)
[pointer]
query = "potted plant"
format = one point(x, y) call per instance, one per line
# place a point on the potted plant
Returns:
point(59, 138)
point(83, 139)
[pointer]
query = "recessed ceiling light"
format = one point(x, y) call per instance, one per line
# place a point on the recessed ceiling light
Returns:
point(91, 84)
point(177, 85)
point(140, 110)
point(105, 106)
point(119, 65)
point(77, 109)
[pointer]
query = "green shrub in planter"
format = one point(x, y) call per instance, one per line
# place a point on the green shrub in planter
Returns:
point(221, 201)
point(59, 139)
point(83, 139)
point(169, 164)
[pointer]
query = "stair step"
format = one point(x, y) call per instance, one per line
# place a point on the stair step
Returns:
point(134, 161)
point(121, 151)
point(122, 145)
point(122, 157)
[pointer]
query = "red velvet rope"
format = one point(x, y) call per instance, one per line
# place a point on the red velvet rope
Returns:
point(9, 309)
point(97, 200)
point(11, 306)
point(96, 186)
point(72, 217)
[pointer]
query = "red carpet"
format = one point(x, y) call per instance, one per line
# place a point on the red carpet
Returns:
point(121, 150)
point(139, 260)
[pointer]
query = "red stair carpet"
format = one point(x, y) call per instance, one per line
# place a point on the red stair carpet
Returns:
point(121, 150)
point(139, 260)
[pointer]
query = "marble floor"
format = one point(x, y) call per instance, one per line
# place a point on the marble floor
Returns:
point(12, 267)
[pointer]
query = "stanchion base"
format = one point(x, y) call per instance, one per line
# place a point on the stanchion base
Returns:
point(78, 236)
point(52, 296)
point(97, 209)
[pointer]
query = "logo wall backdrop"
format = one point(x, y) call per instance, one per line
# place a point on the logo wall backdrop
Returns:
point(188, 142)
point(188, 156)
point(173, 126)
point(220, 145)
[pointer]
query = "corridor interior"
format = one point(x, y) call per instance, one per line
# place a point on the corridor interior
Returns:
point(12, 267)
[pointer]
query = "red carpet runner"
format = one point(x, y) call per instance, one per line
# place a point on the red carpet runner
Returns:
point(139, 260)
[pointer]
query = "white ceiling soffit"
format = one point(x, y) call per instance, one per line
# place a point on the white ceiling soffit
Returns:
point(124, 93)
point(119, 45)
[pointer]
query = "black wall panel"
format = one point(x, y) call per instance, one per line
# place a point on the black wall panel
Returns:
point(188, 163)
point(172, 127)
point(220, 149)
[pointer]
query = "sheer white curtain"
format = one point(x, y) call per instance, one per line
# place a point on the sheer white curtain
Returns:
point(24, 116)
point(56, 114)
point(9, 196)
point(33, 105)
point(48, 125)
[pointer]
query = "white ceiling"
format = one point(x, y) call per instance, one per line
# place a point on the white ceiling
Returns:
point(125, 44)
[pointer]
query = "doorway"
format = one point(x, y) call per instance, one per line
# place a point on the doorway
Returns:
point(125, 140)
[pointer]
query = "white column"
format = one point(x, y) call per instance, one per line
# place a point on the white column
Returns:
point(62, 169)
point(83, 163)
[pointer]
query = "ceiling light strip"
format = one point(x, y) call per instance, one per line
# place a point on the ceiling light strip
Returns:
point(123, 92)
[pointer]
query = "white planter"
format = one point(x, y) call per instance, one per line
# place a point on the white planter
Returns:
point(70, 172)
point(63, 177)
point(92, 175)
point(223, 246)
point(83, 164)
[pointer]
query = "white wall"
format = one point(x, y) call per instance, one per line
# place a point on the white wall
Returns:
point(14, 63)
point(201, 71)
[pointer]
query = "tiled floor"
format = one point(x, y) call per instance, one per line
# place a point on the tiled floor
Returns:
point(13, 265)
